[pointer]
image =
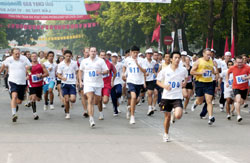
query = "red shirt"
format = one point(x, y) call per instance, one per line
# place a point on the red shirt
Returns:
point(238, 73)
point(107, 78)
point(34, 81)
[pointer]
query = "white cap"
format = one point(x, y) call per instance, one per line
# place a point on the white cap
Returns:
point(149, 51)
point(212, 50)
point(109, 52)
point(114, 55)
point(160, 52)
point(184, 53)
point(140, 54)
point(7, 54)
point(228, 54)
point(58, 54)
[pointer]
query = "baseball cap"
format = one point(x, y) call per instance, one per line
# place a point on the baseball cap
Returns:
point(114, 55)
point(149, 51)
point(212, 50)
point(228, 54)
point(160, 52)
point(140, 54)
point(109, 52)
point(184, 53)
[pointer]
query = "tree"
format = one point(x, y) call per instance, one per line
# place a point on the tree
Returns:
point(3, 40)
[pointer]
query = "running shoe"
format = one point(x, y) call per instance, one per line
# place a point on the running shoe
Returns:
point(128, 112)
point(143, 100)
point(193, 106)
point(154, 108)
point(239, 118)
point(67, 116)
point(115, 114)
point(51, 107)
point(185, 111)
point(45, 107)
point(101, 117)
point(119, 111)
point(221, 108)
point(211, 121)
point(229, 117)
point(91, 122)
point(213, 102)
point(132, 120)
point(28, 104)
point(150, 111)
point(104, 105)
point(166, 137)
point(203, 117)
point(245, 105)
point(85, 114)
point(36, 117)
point(62, 106)
point(14, 117)
point(139, 104)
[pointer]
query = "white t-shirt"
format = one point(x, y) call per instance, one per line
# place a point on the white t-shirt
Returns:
point(223, 65)
point(149, 69)
point(17, 69)
point(52, 73)
point(174, 78)
point(68, 71)
point(118, 78)
point(230, 80)
point(90, 68)
point(134, 74)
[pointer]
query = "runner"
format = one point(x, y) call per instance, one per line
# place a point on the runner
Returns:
point(83, 96)
point(157, 90)
point(172, 75)
point(150, 84)
point(35, 81)
point(108, 82)
point(93, 68)
point(135, 68)
point(116, 90)
point(228, 91)
point(188, 90)
point(49, 81)
point(203, 69)
point(17, 66)
point(67, 71)
point(240, 83)
point(58, 82)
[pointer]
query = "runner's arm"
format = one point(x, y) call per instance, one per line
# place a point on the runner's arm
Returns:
point(194, 69)
point(45, 71)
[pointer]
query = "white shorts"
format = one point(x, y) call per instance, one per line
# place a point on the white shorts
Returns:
point(228, 94)
point(97, 90)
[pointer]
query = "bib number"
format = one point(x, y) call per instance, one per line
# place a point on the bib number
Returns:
point(69, 76)
point(149, 70)
point(174, 84)
point(92, 74)
point(36, 79)
point(207, 74)
point(239, 79)
point(134, 69)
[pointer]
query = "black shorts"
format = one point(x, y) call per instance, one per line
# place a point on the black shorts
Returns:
point(36, 91)
point(150, 85)
point(20, 89)
point(167, 105)
point(135, 88)
point(189, 86)
point(58, 82)
point(243, 93)
point(202, 88)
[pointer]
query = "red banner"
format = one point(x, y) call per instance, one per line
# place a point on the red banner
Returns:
point(45, 17)
point(92, 6)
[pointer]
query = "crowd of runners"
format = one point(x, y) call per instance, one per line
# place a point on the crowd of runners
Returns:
point(168, 81)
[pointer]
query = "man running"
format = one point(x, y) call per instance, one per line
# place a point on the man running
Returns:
point(172, 77)
point(135, 69)
point(93, 68)
point(203, 69)
point(150, 84)
point(17, 66)
point(241, 76)
point(67, 72)
point(49, 81)
point(35, 81)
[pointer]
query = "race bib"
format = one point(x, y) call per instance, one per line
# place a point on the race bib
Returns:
point(69, 77)
point(207, 74)
point(118, 74)
point(174, 84)
point(36, 79)
point(239, 79)
point(189, 79)
point(134, 69)
point(230, 82)
point(92, 74)
point(149, 70)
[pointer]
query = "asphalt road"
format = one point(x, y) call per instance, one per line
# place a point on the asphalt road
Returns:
point(54, 139)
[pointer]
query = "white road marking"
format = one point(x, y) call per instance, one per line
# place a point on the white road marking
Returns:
point(9, 158)
point(152, 157)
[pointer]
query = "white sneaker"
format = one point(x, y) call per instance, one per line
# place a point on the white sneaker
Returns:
point(221, 108)
point(132, 119)
point(91, 122)
point(67, 116)
point(115, 115)
point(228, 116)
point(239, 118)
point(119, 111)
point(139, 104)
point(213, 102)
point(45, 107)
point(51, 107)
point(150, 111)
point(166, 138)
point(128, 112)
point(104, 106)
point(101, 117)
point(193, 106)
point(185, 111)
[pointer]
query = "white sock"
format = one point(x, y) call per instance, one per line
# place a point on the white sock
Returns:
point(34, 114)
point(149, 107)
point(91, 118)
point(13, 111)
point(210, 117)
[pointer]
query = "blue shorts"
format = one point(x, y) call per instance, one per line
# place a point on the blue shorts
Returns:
point(48, 86)
point(202, 88)
point(134, 88)
point(68, 89)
